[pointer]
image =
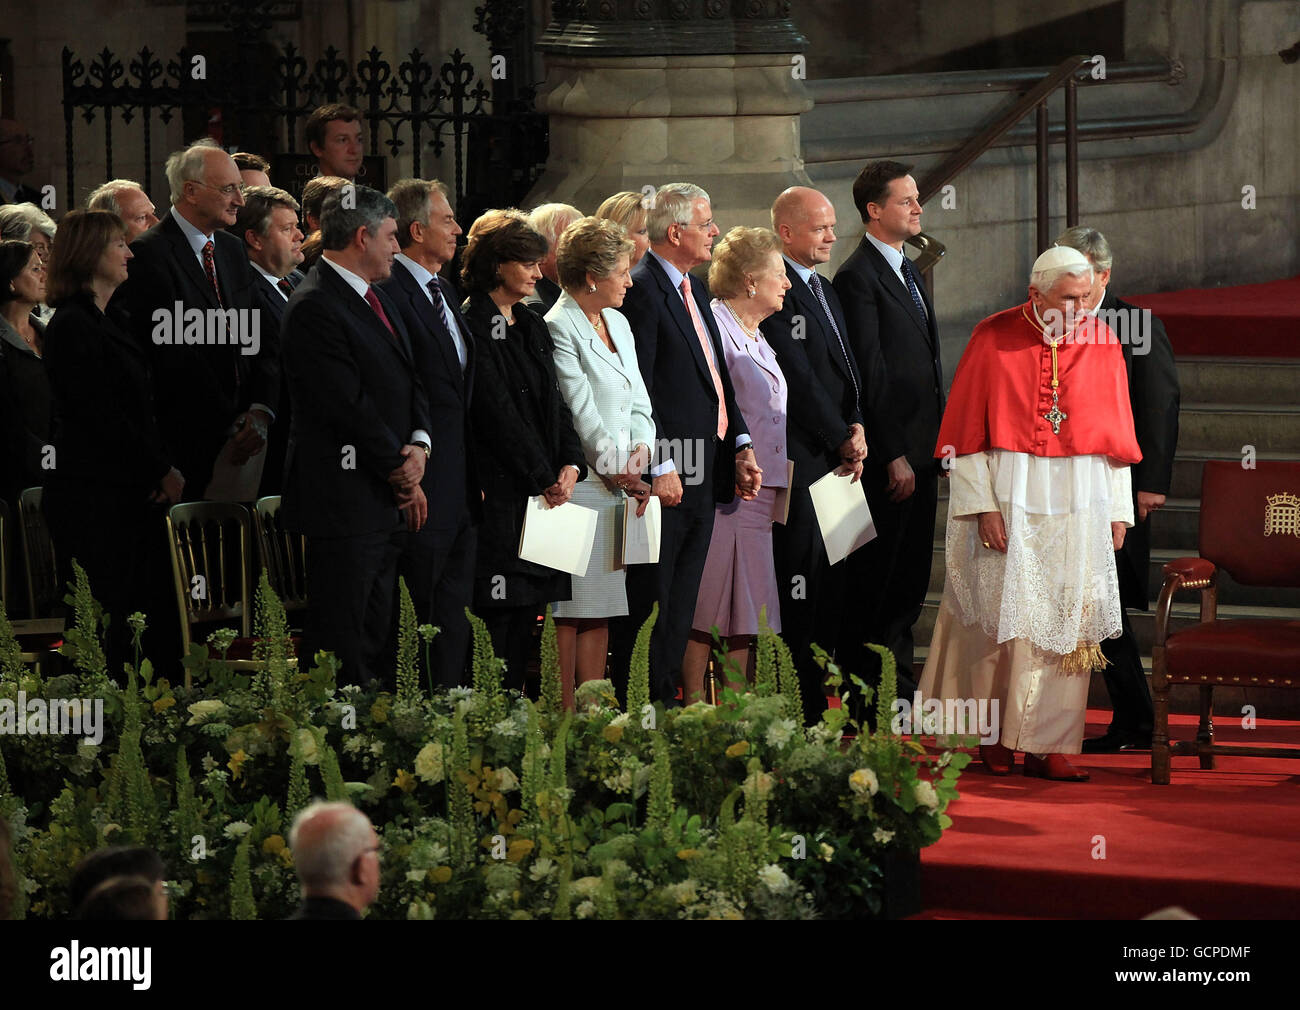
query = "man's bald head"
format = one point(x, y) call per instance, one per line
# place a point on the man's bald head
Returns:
point(336, 853)
point(805, 221)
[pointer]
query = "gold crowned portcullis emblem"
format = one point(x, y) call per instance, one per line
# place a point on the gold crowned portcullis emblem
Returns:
point(1282, 514)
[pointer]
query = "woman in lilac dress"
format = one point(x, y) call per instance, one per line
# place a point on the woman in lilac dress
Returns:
point(748, 281)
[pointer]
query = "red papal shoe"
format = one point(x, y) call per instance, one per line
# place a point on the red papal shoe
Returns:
point(998, 760)
point(1053, 766)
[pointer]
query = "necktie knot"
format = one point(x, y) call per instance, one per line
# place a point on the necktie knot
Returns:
point(373, 300)
point(909, 275)
point(210, 268)
point(284, 285)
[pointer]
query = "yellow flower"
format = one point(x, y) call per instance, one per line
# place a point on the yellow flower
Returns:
point(687, 853)
point(236, 764)
point(379, 710)
point(612, 733)
point(273, 845)
point(738, 749)
point(163, 703)
point(441, 875)
point(405, 781)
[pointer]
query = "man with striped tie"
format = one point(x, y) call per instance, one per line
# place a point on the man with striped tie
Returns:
point(894, 337)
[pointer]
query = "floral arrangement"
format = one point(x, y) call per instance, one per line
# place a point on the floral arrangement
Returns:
point(489, 805)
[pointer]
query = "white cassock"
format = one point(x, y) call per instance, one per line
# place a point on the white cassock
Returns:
point(1008, 620)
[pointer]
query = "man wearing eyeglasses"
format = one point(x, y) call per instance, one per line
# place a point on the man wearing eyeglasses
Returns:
point(15, 162)
point(336, 854)
point(215, 391)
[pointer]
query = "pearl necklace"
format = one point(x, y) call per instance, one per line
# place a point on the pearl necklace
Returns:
point(752, 334)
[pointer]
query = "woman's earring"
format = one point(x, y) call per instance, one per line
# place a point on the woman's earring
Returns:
point(591, 289)
point(751, 292)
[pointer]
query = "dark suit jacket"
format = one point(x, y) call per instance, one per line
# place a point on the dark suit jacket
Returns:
point(24, 194)
point(546, 294)
point(27, 419)
point(108, 441)
point(196, 393)
point(450, 479)
point(898, 355)
point(823, 399)
point(1154, 394)
point(524, 436)
point(268, 300)
point(324, 908)
point(356, 399)
point(681, 389)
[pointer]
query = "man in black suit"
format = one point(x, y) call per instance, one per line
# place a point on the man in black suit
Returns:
point(550, 219)
point(438, 562)
point(823, 430)
point(336, 856)
point(214, 398)
point(1154, 395)
point(894, 337)
point(16, 160)
point(268, 226)
point(359, 440)
point(704, 451)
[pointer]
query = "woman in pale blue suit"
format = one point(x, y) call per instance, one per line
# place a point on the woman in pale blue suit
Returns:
point(595, 363)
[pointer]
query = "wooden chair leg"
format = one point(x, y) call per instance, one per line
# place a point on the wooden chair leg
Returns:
point(1205, 730)
point(1160, 732)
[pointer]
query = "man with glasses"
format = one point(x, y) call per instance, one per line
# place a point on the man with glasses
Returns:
point(15, 162)
point(336, 853)
point(215, 391)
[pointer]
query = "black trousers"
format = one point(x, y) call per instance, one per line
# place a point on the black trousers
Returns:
point(352, 586)
point(512, 630)
point(438, 566)
point(812, 597)
point(1126, 683)
point(888, 579)
point(675, 584)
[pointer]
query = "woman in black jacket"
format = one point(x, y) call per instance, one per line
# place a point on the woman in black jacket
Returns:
point(524, 433)
point(105, 497)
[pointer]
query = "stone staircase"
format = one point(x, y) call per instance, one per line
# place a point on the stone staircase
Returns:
point(1228, 404)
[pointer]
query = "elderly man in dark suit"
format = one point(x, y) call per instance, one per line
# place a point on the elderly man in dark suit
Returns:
point(894, 337)
point(336, 856)
point(704, 454)
point(823, 429)
point(438, 562)
point(216, 397)
point(1154, 395)
point(360, 438)
point(268, 226)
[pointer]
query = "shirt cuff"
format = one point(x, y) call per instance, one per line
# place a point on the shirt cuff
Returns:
point(264, 408)
point(742, 441)
point(420, 435)
point(659, 469)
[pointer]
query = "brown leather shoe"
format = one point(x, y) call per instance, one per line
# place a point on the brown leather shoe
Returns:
point(1053, 766)
point(998, 760)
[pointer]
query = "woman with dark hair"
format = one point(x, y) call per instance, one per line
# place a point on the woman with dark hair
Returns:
point(101, 499)
point(526, 445)
point(26, 408)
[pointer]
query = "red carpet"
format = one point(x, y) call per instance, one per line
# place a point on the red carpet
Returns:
point(1249, 320)
point(1223, 844)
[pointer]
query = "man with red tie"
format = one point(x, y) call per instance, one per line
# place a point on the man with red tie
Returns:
point(704, 454)
point(359, 440)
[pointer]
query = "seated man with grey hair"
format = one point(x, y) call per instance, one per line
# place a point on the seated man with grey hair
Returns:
point(128, 200)
point(1154, 396)
point(336, 855)
point(360, 435)
point(1040, 438)
point(550, 219)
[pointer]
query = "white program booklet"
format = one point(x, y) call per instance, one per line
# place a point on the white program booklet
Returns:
point(842, 514)
point(559, 537)
point(641, 534)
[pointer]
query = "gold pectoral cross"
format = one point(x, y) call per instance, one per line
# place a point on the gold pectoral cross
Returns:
point(1055, 416)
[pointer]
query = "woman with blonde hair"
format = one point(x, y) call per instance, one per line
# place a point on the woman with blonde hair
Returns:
point(629, 210)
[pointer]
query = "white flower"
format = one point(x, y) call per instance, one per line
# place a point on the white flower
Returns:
point(585, 911)
point(203, 711)
point(353, 743)
point(429, 763)
point(415, 876)
point(238, 829)
point(828, 851)
point(459, 693)
point(508, 782)
point(377, 748)
point(780, 732)
point(864, 781)
point(307, 748)
point(621, 720)
point(208, 763)
point(925, 795)
point(774, 878)
point(823, 734)
point(585, 887)
point(507, 728)
point(542, 869)
point(882, 836)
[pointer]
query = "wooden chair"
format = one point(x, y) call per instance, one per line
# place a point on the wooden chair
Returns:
point(284, 554)
point(38, 638)
point(1249, 528)
point(39, 566)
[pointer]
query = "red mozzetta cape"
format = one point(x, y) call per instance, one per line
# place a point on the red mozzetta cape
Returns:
point(1003, 387)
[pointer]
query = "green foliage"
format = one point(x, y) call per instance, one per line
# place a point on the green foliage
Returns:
point(187, 815)
point(552, 692)
point(273, 645)
point(463, 834)
point(638, 681)
point(408, 673)
point(299, 791)
point(489, 701)
point(81, 642)
point(659, 808)
point(11, 656)
point(888, 691)
point(766, 676)
point(242, 905)
point(330, 773)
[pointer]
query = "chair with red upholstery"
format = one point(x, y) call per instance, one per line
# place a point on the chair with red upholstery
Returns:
point(1250, 529)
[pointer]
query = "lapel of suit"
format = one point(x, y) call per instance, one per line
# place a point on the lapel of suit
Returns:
point(369, 319)
point(583, 329)
point(677, 309)
point(183, 253)
point(446, 343)
point(452, 298)
point(272, 296)
point(896, 288)
point(811, 308)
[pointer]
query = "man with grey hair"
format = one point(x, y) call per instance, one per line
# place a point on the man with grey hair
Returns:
point(1154, 396)
point(705, 455)
point(550, 219)
point(336, 856)
point(1039, 438)
point(214, 398)
point(128, 200)
point(359, 442)
point(438, 561)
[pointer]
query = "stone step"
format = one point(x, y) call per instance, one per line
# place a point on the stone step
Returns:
point(1189, 465)
point(1238, 380)
point(1228, 427)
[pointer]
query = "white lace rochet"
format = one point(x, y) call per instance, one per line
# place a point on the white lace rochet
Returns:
point(1056, 586)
